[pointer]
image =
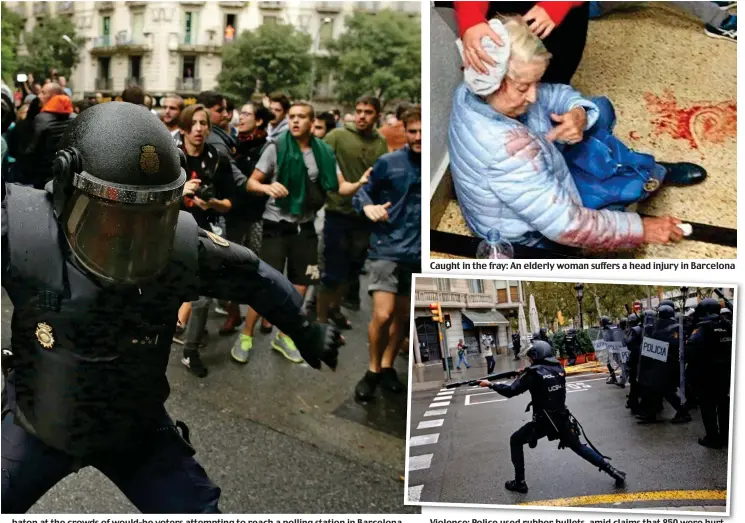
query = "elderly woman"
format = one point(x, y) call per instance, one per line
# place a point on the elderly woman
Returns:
point(520, 157)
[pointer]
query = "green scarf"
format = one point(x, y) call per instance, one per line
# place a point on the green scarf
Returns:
point(293, 174)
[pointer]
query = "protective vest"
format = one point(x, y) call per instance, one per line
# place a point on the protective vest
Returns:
point(548, 388)
point(89, 359)
point(716, 360)
point(654, 373)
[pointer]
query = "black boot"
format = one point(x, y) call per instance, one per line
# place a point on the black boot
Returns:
point(712, 443)
point(193, 362)
point(681, 417)
point(682, 174)
point(616, 474)
point(517, 486)
point(365, 388)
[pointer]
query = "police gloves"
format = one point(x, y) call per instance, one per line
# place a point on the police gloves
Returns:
point(319, 343)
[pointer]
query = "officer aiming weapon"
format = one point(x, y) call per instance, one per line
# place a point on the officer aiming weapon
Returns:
point(490, 377)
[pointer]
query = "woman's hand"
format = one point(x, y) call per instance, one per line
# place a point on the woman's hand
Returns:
point(662, 230)
point(191, 186)
point(276, 190)
point(473, 53)
point(571, 126)
point(539, 22)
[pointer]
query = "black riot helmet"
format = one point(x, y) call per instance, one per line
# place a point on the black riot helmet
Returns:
point(726, 313)
point(540, 350)
point(666, 312)
point(623, 324)
point(605, 321)
point(707, 309)
point(118, 183)
point(633, 320)
point(669, 303)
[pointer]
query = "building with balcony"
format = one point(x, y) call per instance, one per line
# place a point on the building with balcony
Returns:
point(176, 46)
point(481, 311)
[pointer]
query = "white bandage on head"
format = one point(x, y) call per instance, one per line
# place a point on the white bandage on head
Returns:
point(486, 84)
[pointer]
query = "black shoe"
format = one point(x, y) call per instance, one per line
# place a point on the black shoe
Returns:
point(611, 381)
point(646, 418)
point(616, 474)
point(621, 384)
point(682, 174)
point(517, 486)
point(193, 362)
point(365, 388)
point(712, 443)
point(681, 417)
point(390, 382)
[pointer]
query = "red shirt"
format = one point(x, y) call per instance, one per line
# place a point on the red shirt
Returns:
point(469, 14)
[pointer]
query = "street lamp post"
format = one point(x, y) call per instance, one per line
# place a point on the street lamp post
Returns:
point(681, 345)
point(580, 290)
point(316, 44)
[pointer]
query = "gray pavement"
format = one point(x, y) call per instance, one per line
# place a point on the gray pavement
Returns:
point(277, 437)
point(468, 460)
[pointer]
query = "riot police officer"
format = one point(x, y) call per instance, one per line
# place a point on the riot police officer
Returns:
point(660, 372)
point(710, 355)
point(516, 345)
point(96, 267)
point(633, 342)
point(570, 344)
point(726, 314)
point(545, 379)
point(611, 338)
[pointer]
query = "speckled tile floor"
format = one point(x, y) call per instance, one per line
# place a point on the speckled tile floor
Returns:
point(675, 94)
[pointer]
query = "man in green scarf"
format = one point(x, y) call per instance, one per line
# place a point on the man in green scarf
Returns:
point(297, 172)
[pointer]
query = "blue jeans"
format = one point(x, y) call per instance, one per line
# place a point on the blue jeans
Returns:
point(462, 357)
point(161, 476)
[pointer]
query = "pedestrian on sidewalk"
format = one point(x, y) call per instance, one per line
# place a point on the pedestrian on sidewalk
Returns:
point(490, 362)
point(462, 348)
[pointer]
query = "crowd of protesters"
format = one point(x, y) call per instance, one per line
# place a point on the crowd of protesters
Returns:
point(320, 197)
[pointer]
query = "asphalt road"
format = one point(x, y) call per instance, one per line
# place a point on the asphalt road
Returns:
point(276, 437)
point(466, 459)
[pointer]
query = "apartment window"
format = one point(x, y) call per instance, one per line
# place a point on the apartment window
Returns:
point(501, 295)
point(190, 67)
point(134, 68)
point(514, 294)
point(270, 20)
point(326, 34)
point(191, 26)
point(476, 286)
point(230, 28)
point(138, 26)
point(443, 284)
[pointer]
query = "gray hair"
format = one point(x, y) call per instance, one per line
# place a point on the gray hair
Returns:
point(526, 47)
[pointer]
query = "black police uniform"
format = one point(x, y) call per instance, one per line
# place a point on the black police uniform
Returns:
point(545, 379)
point(710, 353)
point(516, 345)
point(570, 345)
point(633, 343)
point(96, 269)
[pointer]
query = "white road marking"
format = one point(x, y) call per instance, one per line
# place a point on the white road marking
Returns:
point(427, 439)
point(420, 462)
point(415, 493)
point(439, 404)
point(430, 424)
point(469, 404)
point(440, 412)
point(443, 394)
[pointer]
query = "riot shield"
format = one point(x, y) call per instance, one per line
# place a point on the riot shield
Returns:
point(658, 359)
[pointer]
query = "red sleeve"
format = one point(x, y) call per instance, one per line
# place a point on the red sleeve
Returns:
point(558, 10)
point(469, 14)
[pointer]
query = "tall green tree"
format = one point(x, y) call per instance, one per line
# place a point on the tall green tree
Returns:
point(47, 49)
point(274, 57)
point(379, 54)
point(12, 26)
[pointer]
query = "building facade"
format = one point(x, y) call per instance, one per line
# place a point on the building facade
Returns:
point(482, 313)
point(175, 46)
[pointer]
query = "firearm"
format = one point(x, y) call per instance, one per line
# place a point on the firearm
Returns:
point(727, 303)
point(490, 377)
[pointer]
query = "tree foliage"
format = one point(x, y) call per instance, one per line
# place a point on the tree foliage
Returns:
point(379, 54)
point(275, 57)
point(12, 26)
point(47, 49)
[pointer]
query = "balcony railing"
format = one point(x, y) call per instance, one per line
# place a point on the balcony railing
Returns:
point(270, 5)
point(328, 7)
point(232, 4)
point(104, 84)
point(189, 84)
point(105, 6)
point(65, 7)
point(102, 41)
point(480, 300)
point(135, 80)
point(189, 38)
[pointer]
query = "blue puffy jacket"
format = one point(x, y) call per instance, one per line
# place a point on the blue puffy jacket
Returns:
point(396, 178)
point(509, 177)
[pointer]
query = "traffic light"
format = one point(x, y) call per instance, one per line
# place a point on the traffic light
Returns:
point(436, 310)
point(448, 323)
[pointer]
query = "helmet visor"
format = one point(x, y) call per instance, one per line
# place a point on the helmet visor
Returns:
point(119, 242)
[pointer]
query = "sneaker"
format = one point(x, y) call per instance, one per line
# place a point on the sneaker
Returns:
point(285, 346)
point(240, 349)
point(681, 417)
point(178, 335)
point(365, 388)
point(725, 6)
point(193, 362)
point(221, 311)
point(390, 382)
point(726, 31)
point(517, 486)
